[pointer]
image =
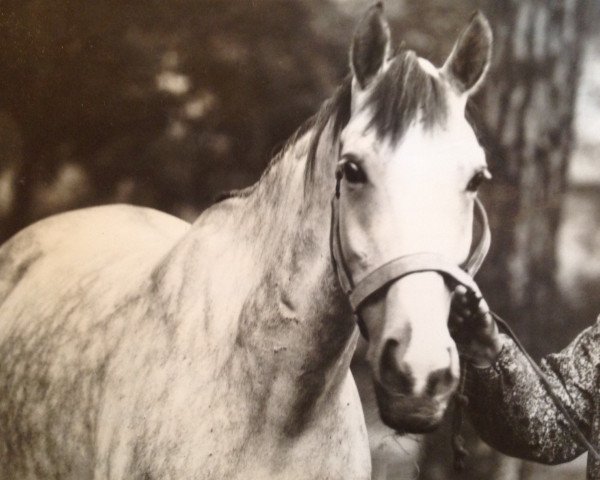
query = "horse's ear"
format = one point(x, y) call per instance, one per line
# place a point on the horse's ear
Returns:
point(370, 46)
point(469, 61)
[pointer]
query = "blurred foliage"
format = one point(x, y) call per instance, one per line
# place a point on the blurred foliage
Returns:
point(158, 103)
point(167, 103)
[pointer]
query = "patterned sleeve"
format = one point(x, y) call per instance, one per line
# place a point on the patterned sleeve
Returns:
point(511, 410)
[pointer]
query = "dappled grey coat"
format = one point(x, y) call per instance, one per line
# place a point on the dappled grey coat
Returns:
point(512, 411)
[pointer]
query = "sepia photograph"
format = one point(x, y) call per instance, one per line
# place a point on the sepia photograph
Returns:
point(299, 240)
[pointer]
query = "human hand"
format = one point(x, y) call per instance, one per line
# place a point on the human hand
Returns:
point(473, 328)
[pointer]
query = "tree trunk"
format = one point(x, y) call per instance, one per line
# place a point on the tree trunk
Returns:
point(526, 110)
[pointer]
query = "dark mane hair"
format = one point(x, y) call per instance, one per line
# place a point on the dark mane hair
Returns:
point(403, 94)
point(336, 108)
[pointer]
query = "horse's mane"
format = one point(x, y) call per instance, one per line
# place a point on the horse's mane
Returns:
point(404, 93)
point(336, 108)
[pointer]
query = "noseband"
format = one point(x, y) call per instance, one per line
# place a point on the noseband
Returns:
point(404, 265)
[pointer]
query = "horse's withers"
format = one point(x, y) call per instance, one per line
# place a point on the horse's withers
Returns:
point(410, 166)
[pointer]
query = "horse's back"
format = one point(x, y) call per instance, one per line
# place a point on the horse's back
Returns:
point(68, 285)
point(85, 240)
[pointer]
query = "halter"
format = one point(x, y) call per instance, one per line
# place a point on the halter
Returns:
point(402, 266)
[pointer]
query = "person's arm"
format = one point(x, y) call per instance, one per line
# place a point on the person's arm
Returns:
point(512, 411)
point(508, 405)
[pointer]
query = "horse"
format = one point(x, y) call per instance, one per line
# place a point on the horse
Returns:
point(134, 345)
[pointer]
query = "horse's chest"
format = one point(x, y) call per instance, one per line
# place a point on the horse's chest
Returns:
point(181, 436)
point(255, 460)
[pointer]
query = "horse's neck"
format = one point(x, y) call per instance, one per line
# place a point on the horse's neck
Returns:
point(253, 280)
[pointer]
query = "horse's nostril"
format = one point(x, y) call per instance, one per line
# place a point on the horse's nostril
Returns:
point(395, 375)
point(398, 375)
point(440, 382)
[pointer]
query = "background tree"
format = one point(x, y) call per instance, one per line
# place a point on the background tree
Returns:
point(526, 113)
point(528, 110)
point(155, 103)
point(72, 79)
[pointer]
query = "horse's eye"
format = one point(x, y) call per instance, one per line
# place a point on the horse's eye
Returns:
point(478, 179)
point(353, 172)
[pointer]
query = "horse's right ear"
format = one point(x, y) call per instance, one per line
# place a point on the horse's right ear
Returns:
point(370, 46)
point(469, 61)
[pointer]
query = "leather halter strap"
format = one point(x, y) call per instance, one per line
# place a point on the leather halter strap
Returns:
point(408, 264)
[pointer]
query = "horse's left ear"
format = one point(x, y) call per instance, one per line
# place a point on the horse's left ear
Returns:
point(469, 61)
point(370, 46)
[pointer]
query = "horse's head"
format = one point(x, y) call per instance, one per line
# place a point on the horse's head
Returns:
point(409, 169)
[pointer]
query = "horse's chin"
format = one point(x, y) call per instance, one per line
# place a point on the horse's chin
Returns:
point(407, 414)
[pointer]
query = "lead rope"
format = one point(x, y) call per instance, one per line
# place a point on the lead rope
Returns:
point(459, 451)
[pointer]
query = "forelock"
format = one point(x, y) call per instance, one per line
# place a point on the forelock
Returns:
point(405, 93)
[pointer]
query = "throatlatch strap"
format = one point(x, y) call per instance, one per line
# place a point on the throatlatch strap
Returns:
point(337, 257)
point(482, 247)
